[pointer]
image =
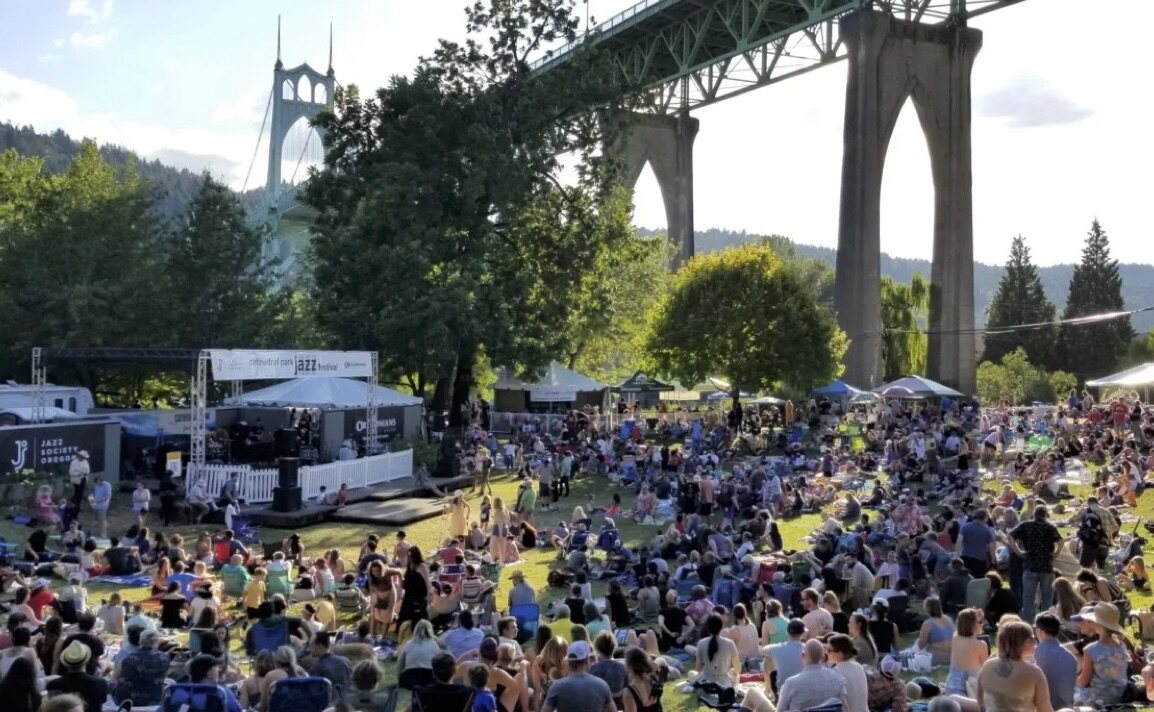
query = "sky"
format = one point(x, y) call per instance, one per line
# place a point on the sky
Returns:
point(1060, 124)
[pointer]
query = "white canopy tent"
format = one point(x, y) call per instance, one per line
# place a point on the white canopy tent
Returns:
point(557, 385)
point(1138, 376)
point(323, 392)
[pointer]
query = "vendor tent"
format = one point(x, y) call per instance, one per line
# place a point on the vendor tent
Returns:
point(916, 387)
point(643, 389)
point(767, 400)
point(837, 389)
point(558, 385)
point(323, 392)
point(1139, 376)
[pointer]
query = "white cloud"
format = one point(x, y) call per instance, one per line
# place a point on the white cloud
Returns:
point(90, 11)
point(93, 40)
point(46, 108)
point(58, 42)
point(247, 107)
point(49, 57)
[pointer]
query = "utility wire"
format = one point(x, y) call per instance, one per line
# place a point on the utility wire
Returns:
point(1072, 321)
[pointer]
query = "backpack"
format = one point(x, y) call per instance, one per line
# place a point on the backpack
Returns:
point(1090, 530)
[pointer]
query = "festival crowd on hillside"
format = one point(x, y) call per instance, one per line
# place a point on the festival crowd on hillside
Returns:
point(951, 547)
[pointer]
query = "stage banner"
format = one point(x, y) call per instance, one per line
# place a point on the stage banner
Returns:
point(552, 395)
point(50, 448)
point(282, 365)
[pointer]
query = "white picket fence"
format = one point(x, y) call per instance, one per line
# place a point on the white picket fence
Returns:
point(256, 485)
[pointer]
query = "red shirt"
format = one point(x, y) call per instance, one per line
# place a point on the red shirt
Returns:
point(1120, 412)
point(450, 553)
point(39, 600)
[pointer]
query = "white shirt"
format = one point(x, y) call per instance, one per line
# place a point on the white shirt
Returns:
point(78, 469)
point(818, 622)
point(856, 688)
point(229, 512)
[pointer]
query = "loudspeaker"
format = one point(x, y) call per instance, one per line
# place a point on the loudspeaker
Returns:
point(290, 470)
point(286, 499)
point(288, 443)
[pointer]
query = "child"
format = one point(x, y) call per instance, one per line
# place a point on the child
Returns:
point(486, 509)
point(483, 700)
point(476, 538)
point(254, 593)
point(401, 551)
point(232, 510)
point(1136, 570)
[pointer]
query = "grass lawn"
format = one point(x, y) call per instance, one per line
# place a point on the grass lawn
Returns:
point(430, 533)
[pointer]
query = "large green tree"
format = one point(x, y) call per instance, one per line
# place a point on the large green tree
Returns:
point(1020, 300)
point(745, 314)
point(1095, 348)
point(444, 231)
point(217, 280)
point(79, 255)
point(904, 342)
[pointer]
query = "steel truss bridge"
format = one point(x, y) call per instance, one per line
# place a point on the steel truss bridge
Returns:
point(687, 54)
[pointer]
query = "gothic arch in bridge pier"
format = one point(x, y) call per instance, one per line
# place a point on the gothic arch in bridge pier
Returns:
point(666, 144)
point(892, 61)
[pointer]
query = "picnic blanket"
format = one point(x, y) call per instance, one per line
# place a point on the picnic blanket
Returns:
point(135, 581)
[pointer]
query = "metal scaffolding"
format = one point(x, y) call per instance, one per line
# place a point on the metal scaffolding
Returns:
point(39, 381)
point(198, 395)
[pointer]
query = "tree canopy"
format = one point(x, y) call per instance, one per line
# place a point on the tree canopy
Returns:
point(1020, 299)
point(1093, 349)
point(745, 314)
point(444, 230)
point(905, 345)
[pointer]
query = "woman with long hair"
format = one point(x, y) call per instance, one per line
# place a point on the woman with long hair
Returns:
point(253, 686)
point(160, 577)
point(643, 685)
point(1102, 675)
point(1007, 681)
point(383, 597)
point(549, 666)
point(967, 653)
point(830, 602)
point(863, 642)
point(18, 687)
point(415, 657)
point(498, 529)
point(1067, 603)
point(717, 658)
point(775, 623)
point(743, 633)
point(286, 666)
point(415, 589)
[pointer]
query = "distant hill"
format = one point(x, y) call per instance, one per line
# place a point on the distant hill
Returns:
point(1137, 280)
point(174, 187)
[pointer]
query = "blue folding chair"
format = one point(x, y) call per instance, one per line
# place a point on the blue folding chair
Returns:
point(528, 617)
point(193, 697)
point(684, 588)
point(301, 694)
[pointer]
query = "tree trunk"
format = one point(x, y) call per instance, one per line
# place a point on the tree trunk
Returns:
point(463, 381)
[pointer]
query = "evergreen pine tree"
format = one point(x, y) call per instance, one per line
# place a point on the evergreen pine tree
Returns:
point(1020, 300)
point(1089, 350)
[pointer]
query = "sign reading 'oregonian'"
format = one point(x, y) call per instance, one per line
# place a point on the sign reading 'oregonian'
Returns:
point(247, 365)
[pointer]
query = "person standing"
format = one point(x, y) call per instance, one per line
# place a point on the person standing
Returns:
point(977, 544)
point(78, 471)
point(1037, 542)
point(101, 498)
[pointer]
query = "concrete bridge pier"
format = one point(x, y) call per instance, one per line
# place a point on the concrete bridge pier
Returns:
point(666, 144)
point(889, 61)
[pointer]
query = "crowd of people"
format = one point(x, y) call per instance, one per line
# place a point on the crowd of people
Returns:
point(941, 529)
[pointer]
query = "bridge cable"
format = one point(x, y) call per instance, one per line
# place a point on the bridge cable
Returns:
point(1000, 330)
point(259, 136)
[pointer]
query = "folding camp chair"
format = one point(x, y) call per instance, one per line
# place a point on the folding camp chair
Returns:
point(193, 697)
point(279, 582)
point(528, 616)
point(301, 694)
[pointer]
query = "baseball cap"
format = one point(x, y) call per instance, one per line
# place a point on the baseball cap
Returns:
point(579, 650)
point(890, 666)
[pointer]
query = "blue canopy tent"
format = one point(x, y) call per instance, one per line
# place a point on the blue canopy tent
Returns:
point(837, 389)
